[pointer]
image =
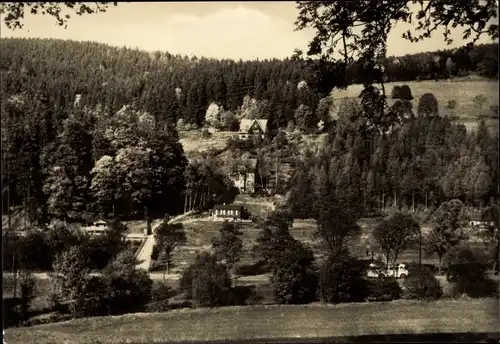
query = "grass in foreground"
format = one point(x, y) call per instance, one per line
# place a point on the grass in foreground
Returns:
point(272, 322)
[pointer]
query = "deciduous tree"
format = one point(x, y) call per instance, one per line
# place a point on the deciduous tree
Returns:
point(169, 236)
point(396, 234)
point(228, 246)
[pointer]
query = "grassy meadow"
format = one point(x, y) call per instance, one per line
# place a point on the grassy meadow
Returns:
point(297, 321)
point(463, 91)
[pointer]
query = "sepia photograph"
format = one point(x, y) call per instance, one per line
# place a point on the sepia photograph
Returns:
point(250, 172)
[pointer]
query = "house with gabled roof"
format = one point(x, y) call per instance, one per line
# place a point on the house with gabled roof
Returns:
point(250, 127)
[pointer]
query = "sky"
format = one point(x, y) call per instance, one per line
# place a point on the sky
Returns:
point(235, 30)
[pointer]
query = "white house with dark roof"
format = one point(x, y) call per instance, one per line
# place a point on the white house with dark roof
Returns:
point(250, 127)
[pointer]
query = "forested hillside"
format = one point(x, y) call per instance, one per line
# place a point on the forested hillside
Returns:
point(419, 165)
point(89, 128)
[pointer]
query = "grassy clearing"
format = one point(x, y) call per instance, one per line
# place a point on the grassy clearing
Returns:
point(462, 91)
point(200, 234)
point(193, 141)
point(233, 323)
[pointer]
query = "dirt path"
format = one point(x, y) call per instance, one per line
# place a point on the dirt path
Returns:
point(144, 256)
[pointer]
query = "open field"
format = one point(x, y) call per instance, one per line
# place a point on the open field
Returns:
point(236, 323)
point(462, 91)
point(193, 140)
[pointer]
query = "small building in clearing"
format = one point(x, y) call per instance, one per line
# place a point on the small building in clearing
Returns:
point(231, 212)
point(250, 127)
point(97, 228)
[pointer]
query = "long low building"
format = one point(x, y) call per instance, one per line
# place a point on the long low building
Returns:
point(231, 212)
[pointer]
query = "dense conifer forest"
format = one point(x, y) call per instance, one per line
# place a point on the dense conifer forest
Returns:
point(93, 129)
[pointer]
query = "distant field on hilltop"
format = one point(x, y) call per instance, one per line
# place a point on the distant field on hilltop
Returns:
point(462, 91)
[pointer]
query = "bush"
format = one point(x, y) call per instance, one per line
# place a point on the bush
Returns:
point(452, 104)
point(96, 297)
point(130, 288)
point(129, 292)
point(244, 295)
point(205, 133)
point(421, 284)
point(294, 278)
point(207, 282)
point(405, 93)
point(10, 312)
point(467, 272)
point(396, 92)
point(403, 108)
point(27, 290)
point(161, 291)
point(428, 105)
point(341, 279)
point(383, 289)
point(157, 306)
point(257, 268)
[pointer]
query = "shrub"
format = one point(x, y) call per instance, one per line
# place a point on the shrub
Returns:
point(96, 296)
point(257, 268)
point(428, 105)
point(27, 291)
point(341, 279)
point(161, 291)
point(396, 92)
point(294, 278)
point(10, 311)
point(205, 133)
point(383, 289)
point(207, 282)
point(479, 101)
point(421, 284)
point(452, 104)
point(129, 292)
point(157, 306)
point(405, 93)
point(244, 295)
point(130, 288)
point(467, 272)
point(403, 108)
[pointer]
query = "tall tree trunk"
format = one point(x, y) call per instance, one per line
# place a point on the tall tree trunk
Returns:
point(426, 200)
point(165, 269)
point(277, 176)
point(14, 273)
point(413, 201)
point(364, 199)
point(395, 201)
point(185, 200)
point(190, 199)
point(195, 199)
point(8, 207)
point(210, 191)
point(25, 212)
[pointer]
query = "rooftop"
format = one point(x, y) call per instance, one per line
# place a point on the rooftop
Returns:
point(245, 124)
point(228, 206)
